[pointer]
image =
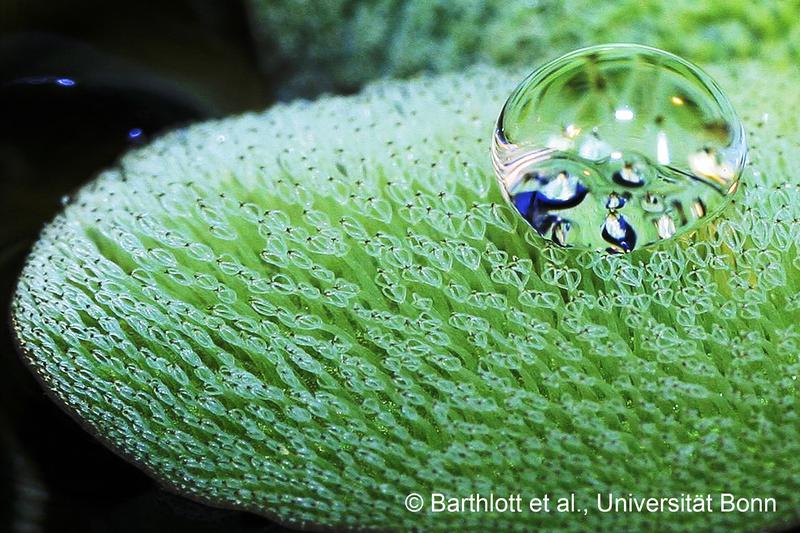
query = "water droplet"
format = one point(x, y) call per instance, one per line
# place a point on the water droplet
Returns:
point(621, 145)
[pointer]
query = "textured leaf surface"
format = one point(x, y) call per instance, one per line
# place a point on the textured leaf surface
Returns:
point(313, 311)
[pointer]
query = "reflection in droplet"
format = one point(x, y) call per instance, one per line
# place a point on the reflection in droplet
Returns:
point(561, 231)
point(619, 233)
point(650, 153)
point(709, 164)
point(623, 114)
point(665, 226)
point(652, 203)
point(563, 191)
point(615, 201)
point(628, 176)
point(594, 149)
point(698, 208)
point(662, 148)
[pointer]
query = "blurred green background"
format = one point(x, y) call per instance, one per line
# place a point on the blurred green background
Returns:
point(81, 82)
point(343, 43)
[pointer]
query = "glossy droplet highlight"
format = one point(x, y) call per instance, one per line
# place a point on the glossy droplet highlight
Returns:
point(616, 147)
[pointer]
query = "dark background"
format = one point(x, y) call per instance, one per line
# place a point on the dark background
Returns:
point(81, 82)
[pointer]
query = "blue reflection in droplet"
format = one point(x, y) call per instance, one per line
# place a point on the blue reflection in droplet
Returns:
point(617, 231)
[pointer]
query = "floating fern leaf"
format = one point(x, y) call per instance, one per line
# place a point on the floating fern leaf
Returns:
point(314, 311)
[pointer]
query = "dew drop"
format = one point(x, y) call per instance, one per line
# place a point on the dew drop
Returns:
point(618, 146)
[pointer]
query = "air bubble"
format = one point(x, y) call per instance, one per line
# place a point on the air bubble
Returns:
point(616, 147)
